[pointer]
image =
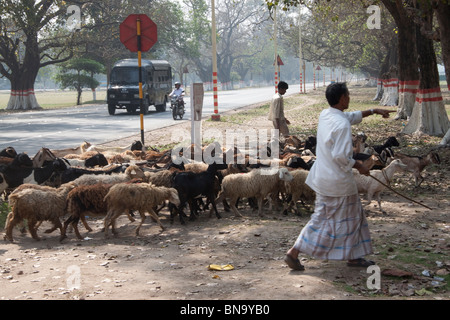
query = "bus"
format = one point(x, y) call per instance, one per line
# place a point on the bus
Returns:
point(123, 88)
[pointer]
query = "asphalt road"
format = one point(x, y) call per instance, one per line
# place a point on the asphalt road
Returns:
point(68, 127)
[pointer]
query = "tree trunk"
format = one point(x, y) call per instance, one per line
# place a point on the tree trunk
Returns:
point(429, 115)
point(79, 92)
point(22, 80)
point(390, 78)
point(408, 70)
point(408, 73)
point(442, 11)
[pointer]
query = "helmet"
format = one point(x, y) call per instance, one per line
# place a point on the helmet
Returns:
point(177, 83)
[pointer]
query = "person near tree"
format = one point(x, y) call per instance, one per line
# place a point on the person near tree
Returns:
point(338, 229)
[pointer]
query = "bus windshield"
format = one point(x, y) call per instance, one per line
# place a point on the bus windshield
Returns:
point(125, 76)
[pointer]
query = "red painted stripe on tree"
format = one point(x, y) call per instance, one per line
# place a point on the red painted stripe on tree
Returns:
point(429, 95)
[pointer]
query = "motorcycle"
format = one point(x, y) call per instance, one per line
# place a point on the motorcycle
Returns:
point(177, 106)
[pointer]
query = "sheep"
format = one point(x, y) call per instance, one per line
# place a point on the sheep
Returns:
point(82, 199)
point(371, 187)
point(416, 164)
point(191, 185)
point(297, 189)
point(37, 205)
point(257, 183)
point(132, 172)
point(141, 197)
point(72, 173)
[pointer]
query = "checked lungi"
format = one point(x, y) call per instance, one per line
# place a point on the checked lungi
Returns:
point(337, 230)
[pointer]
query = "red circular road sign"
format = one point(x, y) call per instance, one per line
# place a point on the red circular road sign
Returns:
point(128, 32)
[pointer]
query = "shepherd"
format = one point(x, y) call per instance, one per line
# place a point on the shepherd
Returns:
point(338, 229)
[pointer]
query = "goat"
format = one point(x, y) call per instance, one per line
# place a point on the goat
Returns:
point(371, 187)
point(59, 153)
point(95, 160)
point(390, 142)
point(416, 164)
point(191, 185)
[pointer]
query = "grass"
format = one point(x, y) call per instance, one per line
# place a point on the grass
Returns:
point(54, 99)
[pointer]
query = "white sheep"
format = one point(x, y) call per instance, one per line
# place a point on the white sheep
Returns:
point(371, 187)
point(297, 189)
point(37, 205)
point(257, 183)
point(132, 172)
point(142, 197)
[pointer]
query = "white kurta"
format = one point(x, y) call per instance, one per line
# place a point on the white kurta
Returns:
point(331, 175)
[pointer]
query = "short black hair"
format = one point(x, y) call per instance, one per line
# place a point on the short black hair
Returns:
point(283, 85)
point(335, 91)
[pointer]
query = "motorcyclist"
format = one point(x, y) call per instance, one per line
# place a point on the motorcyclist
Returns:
point(178, 91)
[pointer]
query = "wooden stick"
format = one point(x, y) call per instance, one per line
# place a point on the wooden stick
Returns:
point(400, 193)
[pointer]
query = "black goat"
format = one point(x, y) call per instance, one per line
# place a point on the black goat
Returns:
point(390, 142)
point(8, 152)
point(192, 185)
point(21, 171)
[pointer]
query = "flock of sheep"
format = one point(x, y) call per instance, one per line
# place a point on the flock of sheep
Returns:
point(58, 183)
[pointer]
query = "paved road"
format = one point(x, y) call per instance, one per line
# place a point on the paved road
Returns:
point(68, 127)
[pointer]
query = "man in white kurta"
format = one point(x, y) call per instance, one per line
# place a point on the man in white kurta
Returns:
point(338, 229)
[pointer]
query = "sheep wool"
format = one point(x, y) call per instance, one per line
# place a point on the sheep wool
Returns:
point(142, 197)
point(257, 183)
point(298, 189)
point(132, 172)
point(37, 205)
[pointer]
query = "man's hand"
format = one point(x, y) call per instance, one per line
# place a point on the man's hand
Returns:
point(384, 113)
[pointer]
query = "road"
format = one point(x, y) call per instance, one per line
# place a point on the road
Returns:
point(68, 127)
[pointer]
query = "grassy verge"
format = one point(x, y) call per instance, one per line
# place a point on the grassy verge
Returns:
point(55, 99)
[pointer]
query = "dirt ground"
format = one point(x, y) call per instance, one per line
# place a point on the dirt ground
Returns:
point(411, 245)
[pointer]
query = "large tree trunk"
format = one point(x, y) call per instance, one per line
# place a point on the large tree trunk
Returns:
point(408, 69)
point(22, 80)
point(390, 78)
point(442, 11)
point(408, 74)
point(429, 115)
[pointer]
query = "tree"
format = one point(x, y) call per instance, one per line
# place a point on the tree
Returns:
point(429, 115)
point(78, 74)
point(416, 58)
point(30, 38)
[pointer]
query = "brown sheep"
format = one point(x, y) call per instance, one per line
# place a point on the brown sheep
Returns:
point(37, 205)
point(141, 197)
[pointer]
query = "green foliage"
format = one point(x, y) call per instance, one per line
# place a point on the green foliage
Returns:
point(78, 74)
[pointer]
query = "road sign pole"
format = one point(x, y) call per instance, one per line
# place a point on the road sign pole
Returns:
point(141, 102)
